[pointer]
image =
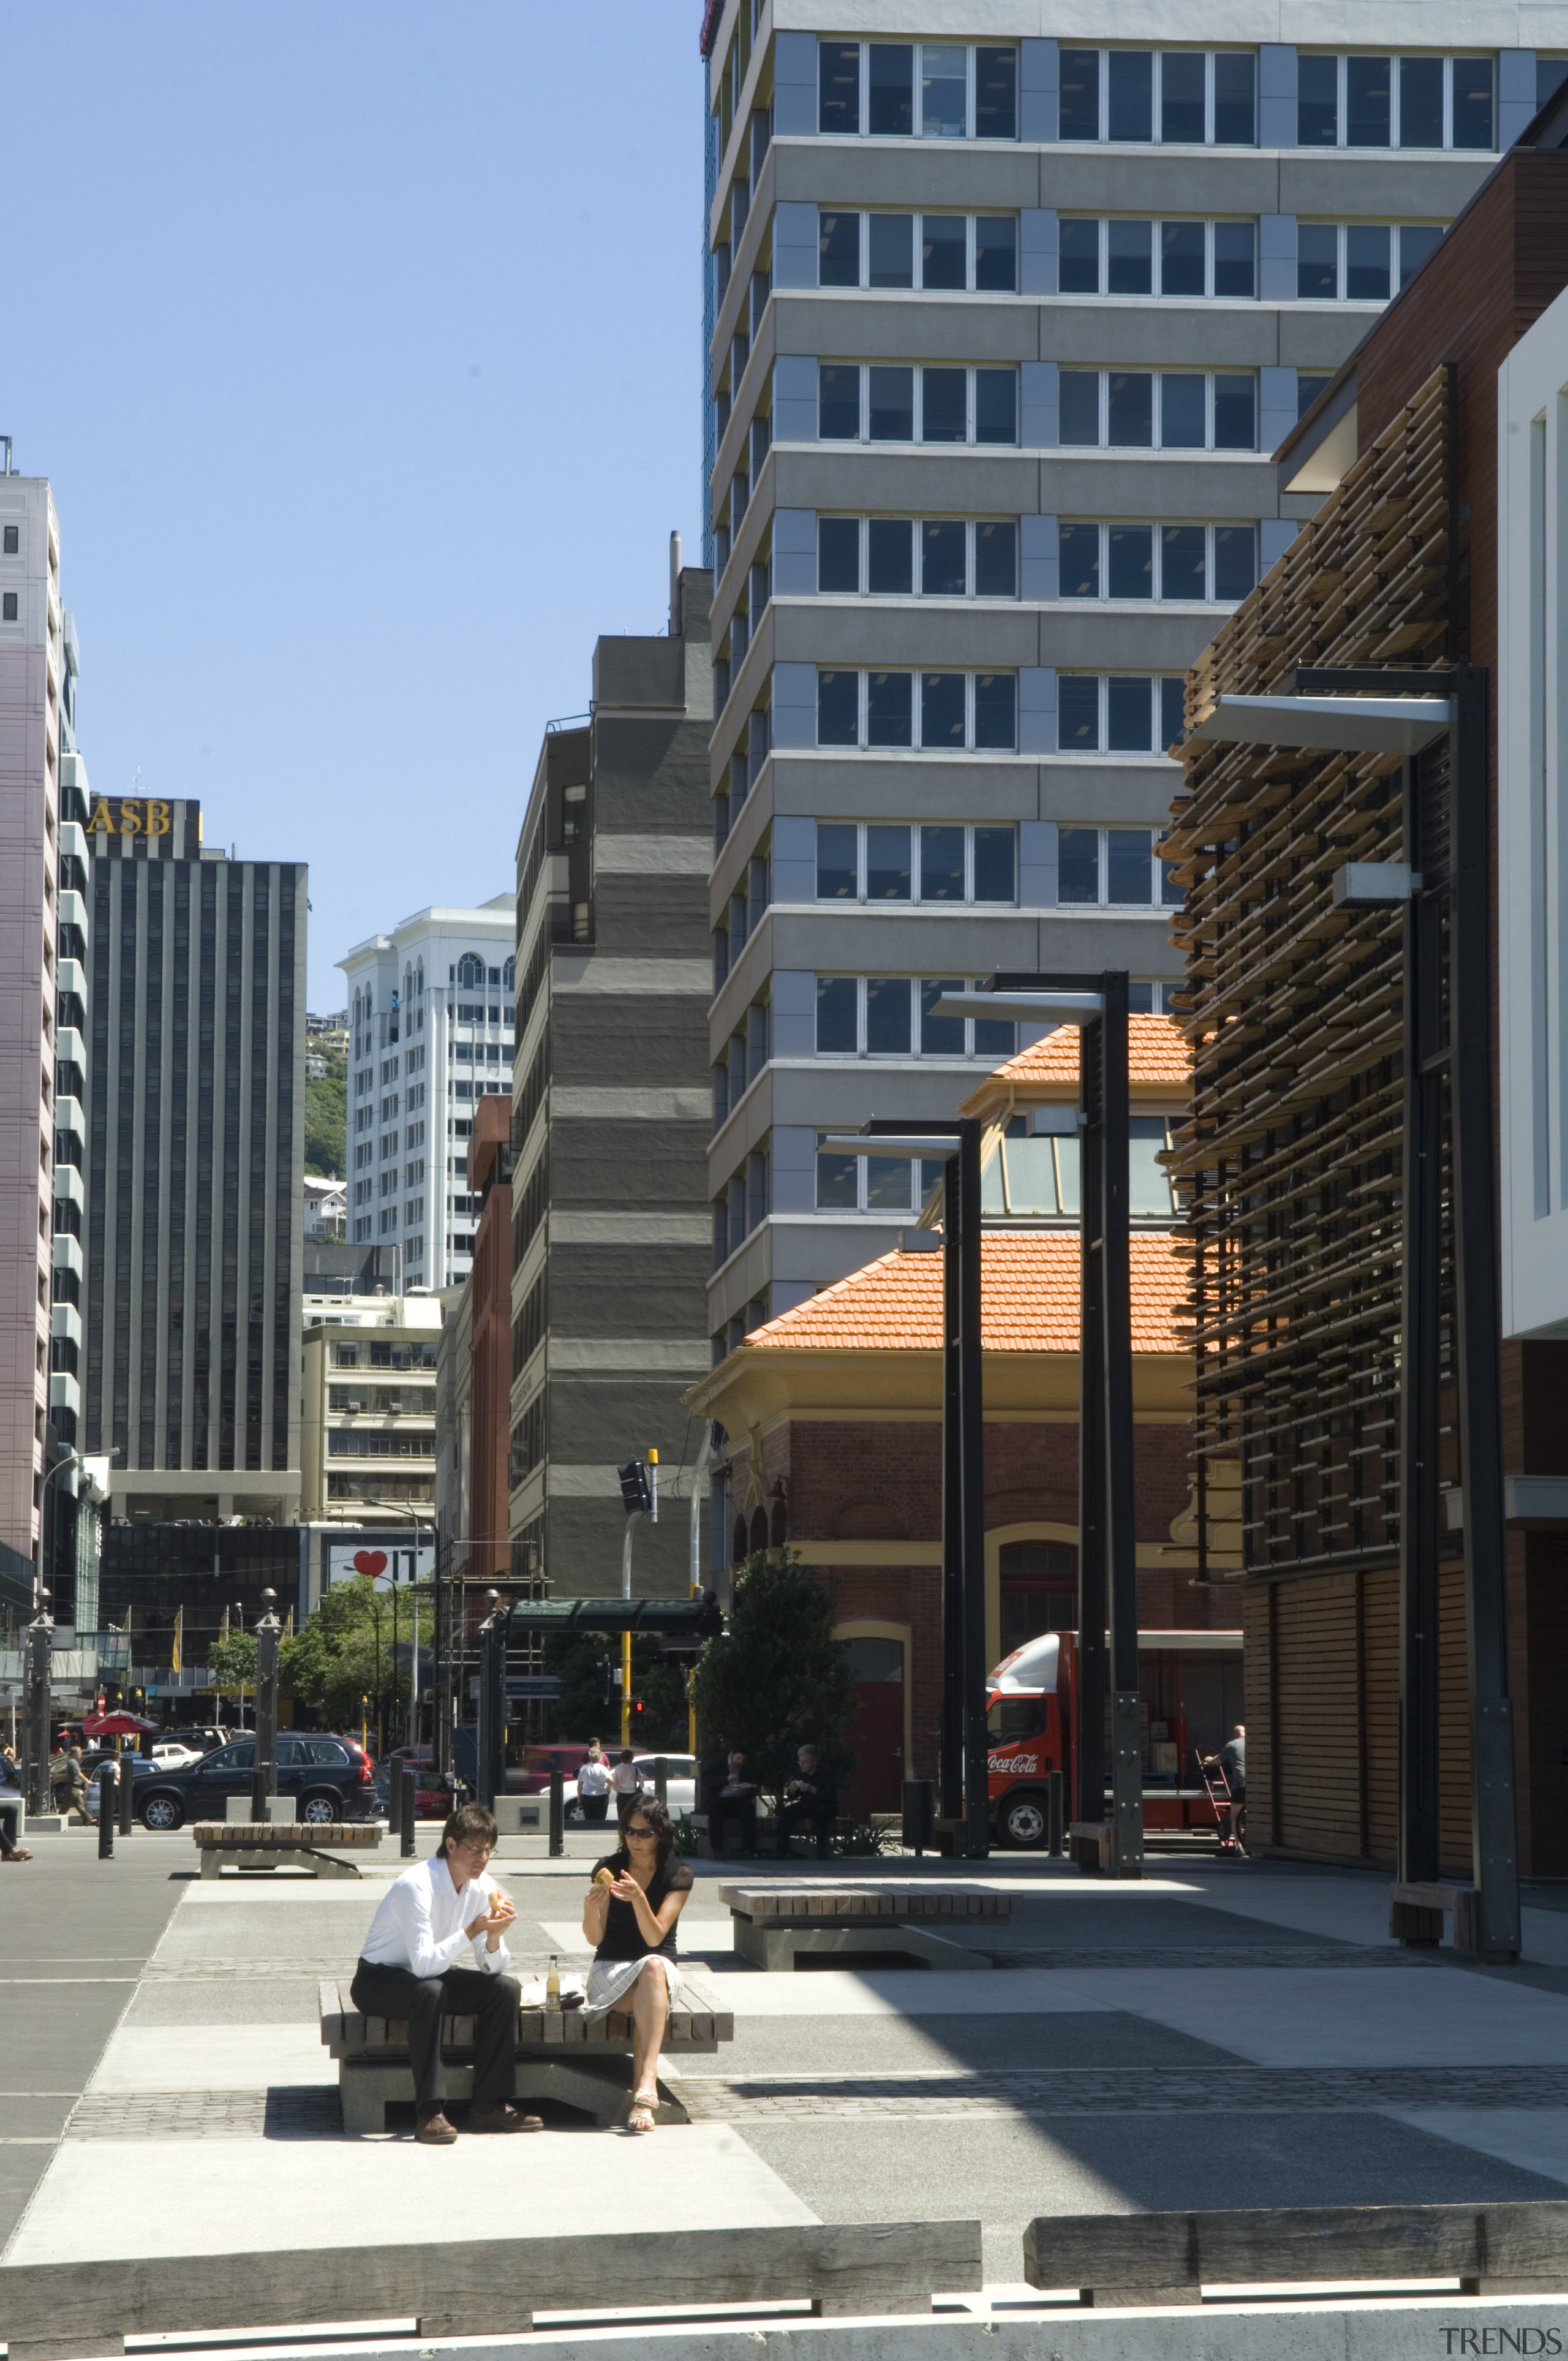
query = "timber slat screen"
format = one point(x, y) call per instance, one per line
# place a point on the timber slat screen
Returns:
point(1290, 1163)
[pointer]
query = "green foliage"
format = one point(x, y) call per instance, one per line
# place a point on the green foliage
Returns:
point(864, 1840)
point(231, 1661)
point(327, 1118)
point(779, 1680)
point(343, 1651)
point(589, 1706)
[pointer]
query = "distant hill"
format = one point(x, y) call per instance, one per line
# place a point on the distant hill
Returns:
point(327, 1117)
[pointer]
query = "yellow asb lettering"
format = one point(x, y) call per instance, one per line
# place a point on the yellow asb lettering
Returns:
point(157, 822)
point(131, 815)
point(101, 818)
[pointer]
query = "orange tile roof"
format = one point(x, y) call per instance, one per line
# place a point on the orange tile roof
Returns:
point(1029, 1297)
point(1155, 1053)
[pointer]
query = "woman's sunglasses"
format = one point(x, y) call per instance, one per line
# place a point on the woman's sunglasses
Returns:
point(630, 1831)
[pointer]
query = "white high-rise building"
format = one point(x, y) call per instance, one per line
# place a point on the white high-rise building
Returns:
point(430, 1030)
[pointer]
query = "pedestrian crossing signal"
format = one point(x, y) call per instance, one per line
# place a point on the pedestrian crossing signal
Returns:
point(636, 1493)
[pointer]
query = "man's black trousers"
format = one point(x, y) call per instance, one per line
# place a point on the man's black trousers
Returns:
point(421, 2003)
point(742, 1810)
point(795, 1815)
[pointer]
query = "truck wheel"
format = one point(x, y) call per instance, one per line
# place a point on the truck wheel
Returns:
point(1024, 1822)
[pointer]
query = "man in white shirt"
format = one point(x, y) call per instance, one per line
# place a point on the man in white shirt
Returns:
point(408, 1971)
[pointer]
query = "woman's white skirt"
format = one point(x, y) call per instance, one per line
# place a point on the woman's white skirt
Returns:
point(610, 1980)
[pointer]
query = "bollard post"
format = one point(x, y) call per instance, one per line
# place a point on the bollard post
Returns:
point(264, 1778)
point(557, 1816)
point(40, 1644)
point(1054, 1815)
point(394, 1800)
point(662, 1780)
point(920, 1815)
point(105, 1812)
point(406, 1780)
point(127, 1794)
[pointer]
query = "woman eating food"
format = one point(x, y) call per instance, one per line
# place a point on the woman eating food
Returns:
point(637, 1894)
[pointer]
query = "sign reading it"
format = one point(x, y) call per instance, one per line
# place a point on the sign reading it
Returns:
point(132, 815)
point(386, 1563)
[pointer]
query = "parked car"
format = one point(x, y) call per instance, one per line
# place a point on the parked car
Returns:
point(538, 1761)
point(680, 1788)
point(203, 1738)
point(432, 1801)
point(142, 1770)
point(333, 1779)
point(174, 1757)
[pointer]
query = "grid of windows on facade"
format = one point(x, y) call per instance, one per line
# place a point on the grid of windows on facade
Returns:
point(363, 1355)
point(926, 558)
point(1360, 101)
point(1157, 410)
point(381, 1442)
point(1118, 713)
point(948, 253)
point(1192, 562)
point(945, 713)
point(1032, 1173)
point(917, 90)
point(896, 1016)
point(893, 861)
point(1190, 98)
point(1113, 868)
point(1185, 259)
point(899, 402)
point(1360, 262)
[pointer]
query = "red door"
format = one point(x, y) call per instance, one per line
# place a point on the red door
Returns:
point(877, 1732)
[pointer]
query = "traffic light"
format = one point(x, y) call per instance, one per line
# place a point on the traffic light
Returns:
point(636, 1492)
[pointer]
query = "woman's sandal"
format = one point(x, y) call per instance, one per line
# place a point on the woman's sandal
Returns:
point(642, 2105)
point(17, 1852)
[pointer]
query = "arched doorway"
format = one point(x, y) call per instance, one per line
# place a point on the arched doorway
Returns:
point(877, 1666)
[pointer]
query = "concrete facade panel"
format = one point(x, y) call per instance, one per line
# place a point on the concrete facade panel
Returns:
point(909, 328)
point(1158, 484)
point(1115, 639)
point(1180, 180)
point(993, 179)
point(919, 631)
point(1083, 332)
point(987, 482)
point(834, 786)
point(1398, 187)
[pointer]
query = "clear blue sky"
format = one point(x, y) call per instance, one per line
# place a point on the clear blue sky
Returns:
point(360, 341)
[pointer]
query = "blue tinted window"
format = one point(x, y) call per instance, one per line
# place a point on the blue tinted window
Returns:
point(888, 568)
point(836, 1002)
point(1078, 256)
point(838, 86)
point(942, 250)
point(836, 878)
point(1421, 101)
point(1181, 96)
point(1317, 260)
point(995, 94)
point(1236, 413)
point(1078, 864)
point(1181, 259)
point(1127, 715)
point(1183, 425)
point(890, 113)
point(1236, 560)
point(995, 850)
point(891, 261)
point(1078, 392)
point(996, 254)
point(1418, 242)
point(996, 559)
point(1131, 561)
point(1172, 721)
point(1127, 861)
point(1367, 272)
point(837, 250)
point(1317, 102)
point(1235, 105)
point(838, 554)
point(942, 404)
point(943, 558)
point(892, 405)
point(1183, 572)
point(1078, 116)
point(1130, 409)
point(838, 403)
point(995, 405)
point(887, 1024)
point(1235, 259)
point(838, 708)
point(940, 1036)
point(1130, 104)
point(996, 710)
point(1078, 554)
point(887, 862)
point(1078, 713)
point(941, 863)
point(942, 709)
point(1129, 250)
point(889, 709)
point(1368, 88)
point(1473, 111)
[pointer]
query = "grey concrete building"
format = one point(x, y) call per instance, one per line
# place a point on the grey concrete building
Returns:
point(195, 1162)
point(1010, 306)
point(612, 1107)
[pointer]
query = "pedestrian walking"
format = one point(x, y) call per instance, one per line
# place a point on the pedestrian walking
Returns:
point(73, 1786)
point(627, 1781)
point(11, 1809)
point(1231, 1760)
point(637, 1893)
point(812, 1797)
point(594, 1784)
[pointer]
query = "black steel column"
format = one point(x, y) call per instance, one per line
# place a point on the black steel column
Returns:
point(1093, 1588)
point(492, 1706)
point(971, 1425)
point(264, 1777)
point(40, 1647)
point(1115, 1293)
point(951, 1785)
point(1425, 1064)
point(1493, 1836)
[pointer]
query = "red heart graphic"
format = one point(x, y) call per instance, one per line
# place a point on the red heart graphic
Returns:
point(369, 1561)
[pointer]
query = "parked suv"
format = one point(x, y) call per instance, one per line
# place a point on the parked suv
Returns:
point(333, 1779)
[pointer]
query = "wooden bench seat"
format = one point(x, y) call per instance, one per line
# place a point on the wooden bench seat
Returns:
point(767, 1834)
point(774, 1924)
point(561, 2053)
point(262, 1845)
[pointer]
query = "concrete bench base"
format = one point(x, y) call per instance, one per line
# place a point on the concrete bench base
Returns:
point(600, 2086)
point(777, 1948)
point(301, 1844)
point(255, 1863)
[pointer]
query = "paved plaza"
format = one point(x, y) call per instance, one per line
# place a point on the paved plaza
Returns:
point(1222, 2034)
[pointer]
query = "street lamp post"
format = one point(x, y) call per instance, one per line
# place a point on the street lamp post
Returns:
point(493, 1698)
point(41, 1645)
point(264, 1773)
point(402, 1509)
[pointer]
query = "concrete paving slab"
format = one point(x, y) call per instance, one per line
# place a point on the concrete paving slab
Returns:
point(249, 1999)
point(566, 1936)
point(1534, 2138)
point(956, 2044)
point(110, 2198)
point(911, 1991)
point(196, 2057)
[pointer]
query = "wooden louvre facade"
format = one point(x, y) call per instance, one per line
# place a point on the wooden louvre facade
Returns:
point(1293, 1159)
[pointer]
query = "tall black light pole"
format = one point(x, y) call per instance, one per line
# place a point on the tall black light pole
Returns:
point(40, 1650)
point(264, 1775)
point(493, 1698)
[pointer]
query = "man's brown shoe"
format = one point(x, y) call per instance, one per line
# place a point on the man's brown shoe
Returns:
point(503, 2119)
point(435, 2132)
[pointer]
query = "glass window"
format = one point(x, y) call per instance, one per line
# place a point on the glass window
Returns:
point(942, 709)
point(994, 864)
point(1148, 1194)
point(1417, 243)
point(892, 241)
point(1078, 560)
point(889, 709)
point(1172, 719)
point(837, 858)
point(1308, 387)
point(889, 572)
point(838, 403)
point(995, 94)
point(889, 113)
point(940, 1036)
point(1129, 247)
point(887, 1022)
point(996, 710)
point(1131, 561)
point(887, 862)
point(837, 250)
point(941, 863)
point(1078, 392)
point(1368, 86)
point(1421, 101)
point(1181, 259)
point(1169, 891)
point(1317, 102)
point(1181, 96)
point(1235, 259)
point(835, 998)
point(838, 708)
point(838, 86)
point(1128, 714)
point(1078, 256)
point(1182, 572)
point(1183, 422)
point(1130, 409)
point(942, 250)
point(1127, 864)
point(1077, 115)
point(944, 92)
point(838, 554)
point(1078, 864)
point(1236, 560)
point(942, 405)
point(1473, 124)
point(887, 1178)
point(996, 254)
point(995, 405)
point(892, 416)
point(1236, 413)
point(1317, 259)
point(1550, 76)
point(996, 560)
point(838, 1182)
point(943, 558)
point(1235, 102)
point(1131, 98)
point(1078, 713)
point(1366, 275)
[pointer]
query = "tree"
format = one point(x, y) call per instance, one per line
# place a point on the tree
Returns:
point(231, 1662)
point(584, 1664)
point(343, 1651)
point(779, 1679)
point(327, 1118)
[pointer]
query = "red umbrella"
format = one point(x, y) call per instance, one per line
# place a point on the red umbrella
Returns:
point(115, 1724)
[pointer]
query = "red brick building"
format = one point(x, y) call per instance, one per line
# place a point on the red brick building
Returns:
point(488, 1553)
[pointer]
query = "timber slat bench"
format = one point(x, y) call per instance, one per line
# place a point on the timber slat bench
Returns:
point(774, 1924)
point(267, 1844)
point(560, 2054)
point(1416, 1913)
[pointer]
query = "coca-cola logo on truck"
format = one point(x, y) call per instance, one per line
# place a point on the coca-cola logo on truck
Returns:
point(1011, 1765)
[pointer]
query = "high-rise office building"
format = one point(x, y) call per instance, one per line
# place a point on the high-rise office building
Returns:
point(1004, 331)
point(430, 1024)
point(193, 1183)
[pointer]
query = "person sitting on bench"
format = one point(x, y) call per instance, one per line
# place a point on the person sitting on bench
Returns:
point(637, 1893)
point(408, 1971)
point(731, 1796)
point(812, 1796)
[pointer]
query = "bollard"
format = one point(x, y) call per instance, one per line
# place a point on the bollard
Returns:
point(394, 1800)
point(407, 1780)
point(920, 1815)
point(662, 1780)
point(127, 1794)
point(106, 1813)
point(557, 1816)
point(1054, 1815)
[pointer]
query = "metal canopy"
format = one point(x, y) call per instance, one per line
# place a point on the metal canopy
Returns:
point(892, 1142)
point(1030, 1007)
point(1370, 725)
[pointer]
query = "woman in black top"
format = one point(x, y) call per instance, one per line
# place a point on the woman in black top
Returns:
point(637, 1894)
